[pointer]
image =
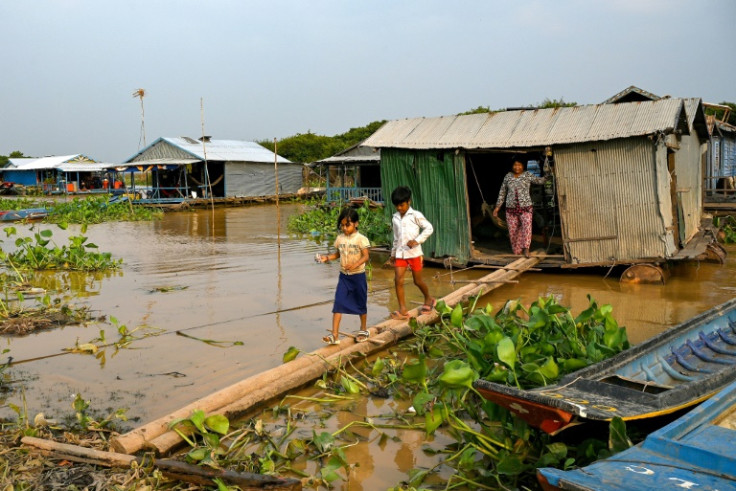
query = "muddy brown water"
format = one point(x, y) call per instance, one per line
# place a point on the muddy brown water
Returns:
point(231, 276)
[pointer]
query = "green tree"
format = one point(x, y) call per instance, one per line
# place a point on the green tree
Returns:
point(477, 110)
point(553, 103)
point(17, 154)
point(309, 147)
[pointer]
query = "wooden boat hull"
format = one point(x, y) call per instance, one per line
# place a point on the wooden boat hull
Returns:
point(697, 451)
point(682, 366)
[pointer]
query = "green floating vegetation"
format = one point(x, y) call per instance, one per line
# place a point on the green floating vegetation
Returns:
point(529, 347)
point(320, 222)
point(41, 253)
point(99, 209)
point(86, 210)
point(434, 372)
point(19, 204)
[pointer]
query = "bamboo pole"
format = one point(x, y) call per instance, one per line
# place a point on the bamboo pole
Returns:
point(171, 468)
point(241, 397)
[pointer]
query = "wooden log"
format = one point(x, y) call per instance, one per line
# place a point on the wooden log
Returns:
point(171, 468)
point(241, 397)
point(493, 266)
point(485, 281)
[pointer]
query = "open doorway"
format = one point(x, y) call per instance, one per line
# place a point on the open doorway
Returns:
point(485, 172)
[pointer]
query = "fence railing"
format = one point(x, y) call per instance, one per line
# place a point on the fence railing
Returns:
point(346, 194)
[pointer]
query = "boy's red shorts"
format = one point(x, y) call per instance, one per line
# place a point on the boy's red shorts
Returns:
point(415, 263)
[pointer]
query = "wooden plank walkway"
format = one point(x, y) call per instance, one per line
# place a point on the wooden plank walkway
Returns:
point(253, 392)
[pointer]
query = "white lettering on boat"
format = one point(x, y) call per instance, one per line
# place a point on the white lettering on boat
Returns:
point(682, 483)
point(637, 469)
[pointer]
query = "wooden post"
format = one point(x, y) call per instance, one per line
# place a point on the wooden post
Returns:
point(243, 396)
point(278, 209)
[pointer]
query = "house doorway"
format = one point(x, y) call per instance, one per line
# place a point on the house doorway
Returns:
point(485, 172)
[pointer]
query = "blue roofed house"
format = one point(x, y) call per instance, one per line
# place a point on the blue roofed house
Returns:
point(54, 174)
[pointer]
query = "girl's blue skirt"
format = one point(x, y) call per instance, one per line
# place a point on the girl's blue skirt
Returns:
point(351, 296)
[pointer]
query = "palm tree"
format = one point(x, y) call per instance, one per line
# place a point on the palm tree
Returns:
point(141, 93)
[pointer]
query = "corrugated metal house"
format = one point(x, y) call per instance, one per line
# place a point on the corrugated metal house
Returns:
point(627, 187)
point(721, 159)
point(230, 168)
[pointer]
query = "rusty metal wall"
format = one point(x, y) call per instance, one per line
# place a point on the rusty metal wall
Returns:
point(688, 167)
point(612, 205)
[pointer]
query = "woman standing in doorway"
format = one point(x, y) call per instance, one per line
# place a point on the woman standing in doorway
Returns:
point(519, 207)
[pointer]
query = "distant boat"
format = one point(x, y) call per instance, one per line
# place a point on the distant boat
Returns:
point(697, 451)
point(678, 368)
point(27, 214)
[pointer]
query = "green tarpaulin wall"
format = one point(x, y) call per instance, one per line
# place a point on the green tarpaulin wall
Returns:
point(437, 181)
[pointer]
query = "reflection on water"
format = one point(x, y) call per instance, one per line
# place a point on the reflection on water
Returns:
point(232, 275)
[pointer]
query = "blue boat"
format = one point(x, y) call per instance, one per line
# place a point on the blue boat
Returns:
point(27, 214)
point(696, 451)
point(676, 369)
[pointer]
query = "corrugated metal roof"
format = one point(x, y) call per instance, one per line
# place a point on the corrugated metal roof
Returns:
point(627, 92)
point(376, 158)
point(45, 163)
point(696, 116)
point(83, 167)
point(219, 150)
point(353, 155)
point(533, 128)
point(161, 161)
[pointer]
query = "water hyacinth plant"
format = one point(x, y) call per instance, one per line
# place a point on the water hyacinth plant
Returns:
point(429, 380)
point(41, 253)
point(530, 347)
point(99, 209)
point(320, 222)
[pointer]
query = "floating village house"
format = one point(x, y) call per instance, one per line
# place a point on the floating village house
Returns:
point(353, 173)
point(182, 168)
point(720, 161)
point(627, 184)
point(57, 174)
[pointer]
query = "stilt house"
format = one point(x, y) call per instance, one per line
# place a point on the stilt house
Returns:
point(179, 168)
point(57, 174)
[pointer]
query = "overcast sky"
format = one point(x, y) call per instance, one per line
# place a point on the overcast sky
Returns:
point(271, 69)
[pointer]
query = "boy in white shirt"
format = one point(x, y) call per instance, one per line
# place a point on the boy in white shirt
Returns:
point(411, 229)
